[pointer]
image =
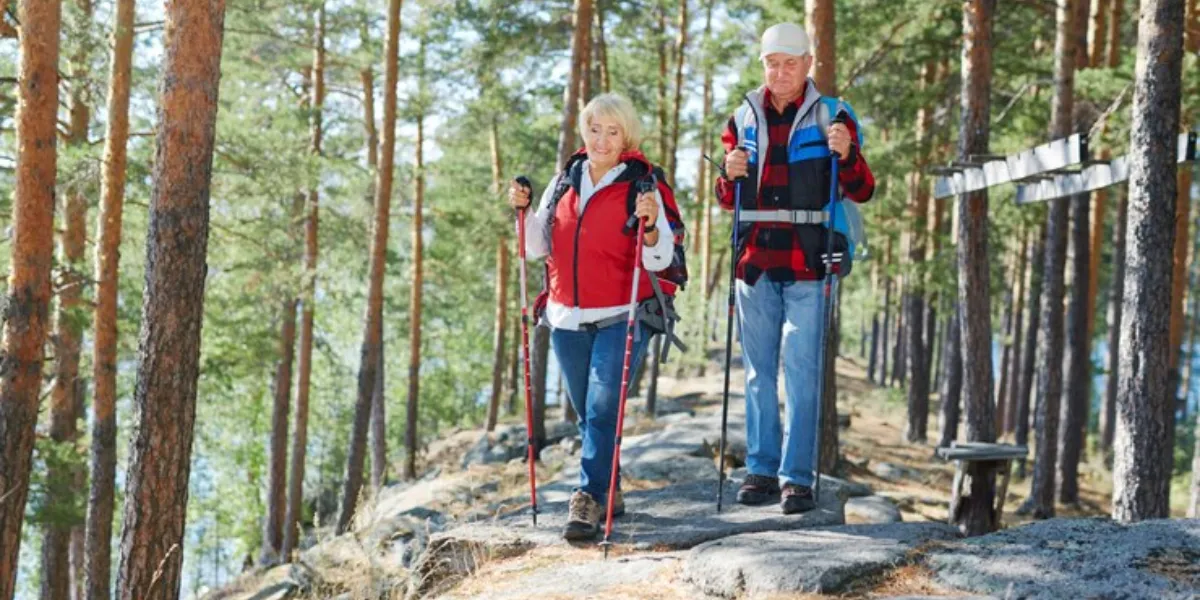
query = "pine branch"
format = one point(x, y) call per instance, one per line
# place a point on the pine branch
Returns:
point(876, 57)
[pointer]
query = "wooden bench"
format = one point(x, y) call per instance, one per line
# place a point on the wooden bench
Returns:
point(962, 453)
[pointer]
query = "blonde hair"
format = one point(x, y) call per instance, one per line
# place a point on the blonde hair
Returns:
point(617, 107)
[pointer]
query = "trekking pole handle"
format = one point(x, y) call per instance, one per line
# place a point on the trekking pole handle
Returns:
point(524, 182)
point(644, 186)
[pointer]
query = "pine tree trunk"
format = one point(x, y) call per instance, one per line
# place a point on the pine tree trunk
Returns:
point(1079, 33)
point(541, 355)
point(1192, 34)
point(1145, 413)
point(566, 136)
point(887, 318)
point(821, 19)
point(295, 486)
point(103, 466)
point(1050, 380)
point(873, 356)
point(652, 363)
point(951, 390)
point(680, 49)
point(67, 336)
point(1006, 324)
point(1018, 337)
point(1098, 34)
point(156, 488)
point(1114, 44)
point(703, 183)
point(602, 49)
point(663, 128)
point(514, 387)
point(977, 515)
point(899, 358)
point(379, 461)
point(1033, 302)
point(501, 319)
point(277, 480)
point(1096, 250)
point(918, 350)
point(414, 320)
point(369, 357)
point(27, 306)
point(1178, 278)
point(1077, 392)
point(78, 578)
point(1108, 413)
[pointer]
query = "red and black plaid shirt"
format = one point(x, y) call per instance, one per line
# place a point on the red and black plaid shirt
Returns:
point(786, 262)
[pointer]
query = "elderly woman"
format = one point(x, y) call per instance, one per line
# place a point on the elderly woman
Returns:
point(579, 228)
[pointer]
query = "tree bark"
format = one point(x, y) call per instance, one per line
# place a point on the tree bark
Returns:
point(704, 180)
point(1033, 302)
point(277, 480)
point(67, 336)
point(103, 466)
point(601, 49)
point(379, 422)
point(1192, 34)
point(663, 128)
point(1099, 210)
point(1006, 324)
point(951, 391)
point(1114, 34)
point(27, 306)
point(156, 489)
point(1018, 349)
point(821, 19)
point(974, 282)
point(652, 364)
point(1145, 413)
point(681, 41)
point(369, 359)
point(414, 350)
point(566, 136)
point(501, 319)
point(1050, 380)
point(1098, 34)
point(1183, 188)
point(1108, 413)
point(1077, 391)
point(918, 351)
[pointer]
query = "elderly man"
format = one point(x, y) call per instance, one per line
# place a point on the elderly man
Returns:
point(778, 146)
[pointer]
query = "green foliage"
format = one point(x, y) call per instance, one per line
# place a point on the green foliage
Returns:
point(492, 63)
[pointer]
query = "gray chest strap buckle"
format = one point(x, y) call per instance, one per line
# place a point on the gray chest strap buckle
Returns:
point(794, 217)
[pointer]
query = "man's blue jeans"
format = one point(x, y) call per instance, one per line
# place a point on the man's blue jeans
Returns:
point(771, 315)
point(591, 363)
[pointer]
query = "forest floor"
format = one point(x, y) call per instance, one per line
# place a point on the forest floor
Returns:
point(873, 450)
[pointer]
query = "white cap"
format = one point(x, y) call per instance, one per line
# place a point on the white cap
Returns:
point(785, 38)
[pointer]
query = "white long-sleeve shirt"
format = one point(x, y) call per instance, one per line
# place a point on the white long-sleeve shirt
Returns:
point(537, 244)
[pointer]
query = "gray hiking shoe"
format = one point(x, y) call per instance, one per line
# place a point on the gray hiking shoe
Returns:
point(583, 517)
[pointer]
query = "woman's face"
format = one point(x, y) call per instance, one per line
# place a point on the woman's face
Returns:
point(604, 140)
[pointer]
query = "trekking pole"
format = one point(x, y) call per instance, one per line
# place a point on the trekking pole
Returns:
point(827, 298)
point(531, 458)
point(737, 215)
point(644, 186)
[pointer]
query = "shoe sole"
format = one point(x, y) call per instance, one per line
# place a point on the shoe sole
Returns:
point(795, 510)
point(580, 535)
point(755, 498)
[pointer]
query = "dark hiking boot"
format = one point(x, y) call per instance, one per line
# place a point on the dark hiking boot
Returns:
point(583, 517)
point(797, 499)
point(757, 489)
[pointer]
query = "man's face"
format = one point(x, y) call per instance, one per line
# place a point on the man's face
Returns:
point(786, 74)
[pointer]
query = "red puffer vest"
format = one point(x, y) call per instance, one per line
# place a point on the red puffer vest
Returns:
point(591, 259)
